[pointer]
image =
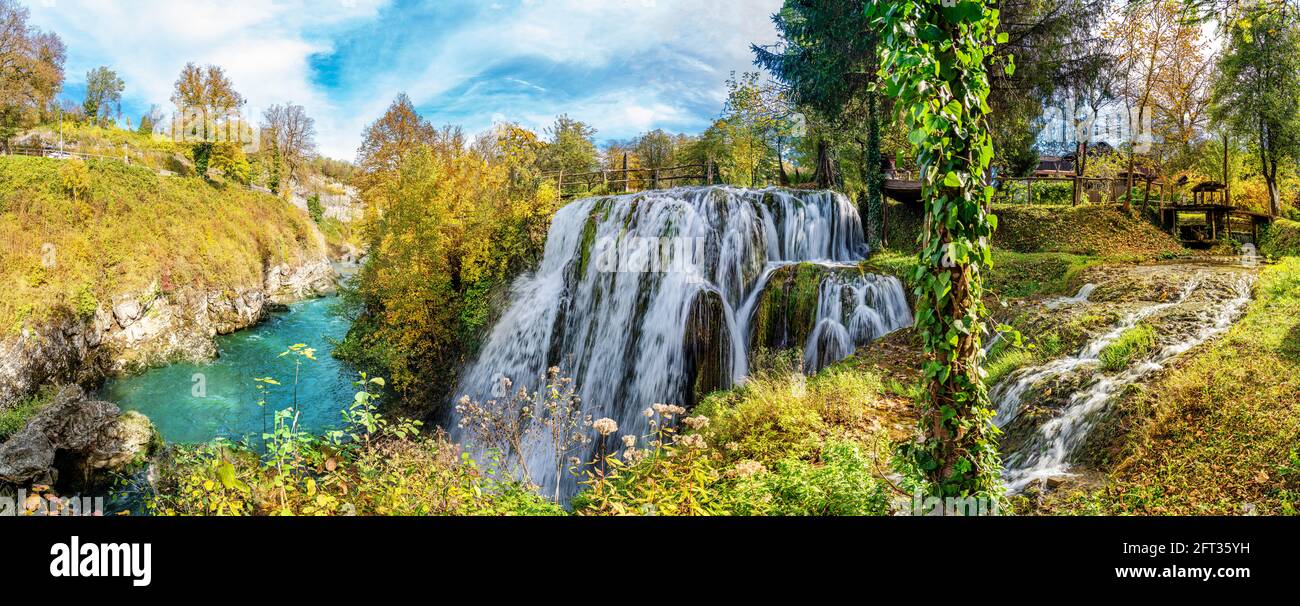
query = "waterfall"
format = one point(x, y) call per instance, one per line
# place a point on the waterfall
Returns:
point(851, 311)
point(1047, 453)
point(624, 279)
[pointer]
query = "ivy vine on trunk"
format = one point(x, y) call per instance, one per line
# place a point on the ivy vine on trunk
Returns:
point(933, 63)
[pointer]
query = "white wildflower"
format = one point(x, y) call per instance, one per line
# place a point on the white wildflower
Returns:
point(605, 426)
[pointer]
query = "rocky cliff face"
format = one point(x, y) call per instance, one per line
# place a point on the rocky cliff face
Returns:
point(76, 435)
point(146, 329)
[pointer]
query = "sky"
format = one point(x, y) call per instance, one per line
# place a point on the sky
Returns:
point(623, 66)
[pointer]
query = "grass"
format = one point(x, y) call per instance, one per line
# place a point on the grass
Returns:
point(15, 418)
point(157, 152)
point(1014, 274)
point(1218, 434)
point(1131, 345)
point(1086, 230)
point(75, 234)
point(781, 445)
point(778, 416)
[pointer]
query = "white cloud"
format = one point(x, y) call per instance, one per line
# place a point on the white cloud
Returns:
point(266, 48)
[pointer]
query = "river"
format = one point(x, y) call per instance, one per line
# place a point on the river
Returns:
point(191, 403)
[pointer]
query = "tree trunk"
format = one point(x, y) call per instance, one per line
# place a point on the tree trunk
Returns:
point(1128, 182)
point(783, 178)
point(1227, 182)
point(874, 177)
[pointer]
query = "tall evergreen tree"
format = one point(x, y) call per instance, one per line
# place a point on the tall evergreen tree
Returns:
point(827, 57)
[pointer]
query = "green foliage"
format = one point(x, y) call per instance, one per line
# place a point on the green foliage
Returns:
point(570, 147)
point(756, 112)
point(934, 60)
point(1282, 238)
point(779, 445)
point(373, 466)
point(201, 155)
point(1258, 90)
point(103, 94)
point(14, 418)
point(446, 232)
point(314, 208)
point(842, 483)
point(230, 159)
point(1131, 345)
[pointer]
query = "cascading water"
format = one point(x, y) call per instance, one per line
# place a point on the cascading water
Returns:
point(624, 279)
point(1048, 451)
point(852, 310)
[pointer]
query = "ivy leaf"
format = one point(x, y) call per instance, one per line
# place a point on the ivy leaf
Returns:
point(964, 11)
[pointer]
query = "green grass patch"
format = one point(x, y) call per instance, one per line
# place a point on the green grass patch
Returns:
point(1013, 274)
point(15, 418)
point(1087, 229)
point(1131, 345)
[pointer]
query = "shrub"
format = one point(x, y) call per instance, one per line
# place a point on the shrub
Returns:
point(15, 418)
point(375, 466)
point(315, 209)
point(1281, 239)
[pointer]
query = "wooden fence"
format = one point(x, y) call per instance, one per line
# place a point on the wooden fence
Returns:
point(625, 179)
point(46, 152)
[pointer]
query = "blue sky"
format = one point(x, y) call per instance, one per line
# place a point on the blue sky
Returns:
point(623, 66)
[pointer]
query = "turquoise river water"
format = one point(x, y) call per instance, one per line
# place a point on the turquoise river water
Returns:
point(198, 402)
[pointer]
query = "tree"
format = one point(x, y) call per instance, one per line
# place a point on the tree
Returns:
point(103, 94)
point(295, 134)
point(756, 111)
point(1146, 35)
point(655, 149)
point(827, 59)
point(206, 104)
point(31, 71)
point(934, 61)
point(1181, 96)
point(150, 121)
point(385, 143)
point(1257, 93)
point(569, 146)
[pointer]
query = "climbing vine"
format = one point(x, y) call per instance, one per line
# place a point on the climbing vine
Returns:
point(933, 63)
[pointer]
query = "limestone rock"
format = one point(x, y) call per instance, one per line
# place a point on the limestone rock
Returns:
point(90, 435)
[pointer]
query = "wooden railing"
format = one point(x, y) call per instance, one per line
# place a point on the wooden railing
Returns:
point(47, 152)
point(1095, 189)
point(625, 179)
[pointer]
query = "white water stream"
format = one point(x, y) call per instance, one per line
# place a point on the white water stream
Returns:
point(1047, 453)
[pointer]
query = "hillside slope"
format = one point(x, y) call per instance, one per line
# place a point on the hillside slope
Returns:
point(109, 266)
point(1086, 229)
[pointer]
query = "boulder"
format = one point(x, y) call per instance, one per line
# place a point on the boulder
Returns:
point(126, 311)
point(74, 430)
